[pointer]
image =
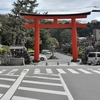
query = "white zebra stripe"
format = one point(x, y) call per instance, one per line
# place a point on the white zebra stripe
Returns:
point(12, 72)
point(61, 71)
point(22, 98)
point(36, 71)
point(73, 71)
point(84, 71)
point(49, 71)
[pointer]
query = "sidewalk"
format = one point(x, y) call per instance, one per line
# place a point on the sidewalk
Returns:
point(44, 63)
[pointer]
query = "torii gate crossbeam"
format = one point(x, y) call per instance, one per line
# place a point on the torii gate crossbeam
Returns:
point(73, 25)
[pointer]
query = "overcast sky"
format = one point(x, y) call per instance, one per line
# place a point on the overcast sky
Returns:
point(59, 6)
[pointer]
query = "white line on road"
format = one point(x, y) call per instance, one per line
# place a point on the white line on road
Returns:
point(13, 88)
point(43, 83)
point(6, 79)
point(37, 71)
point(73, 71)
point(2, 71)
point(25, 71)
point(46, 74)
point(22, 98)
point(70, 97)
point(49, 71)
point(10, 75)
point(1, 95)
point(61, 71)
point(49, 78)
point(84, 71)
point(96, 71)
point(42, 90)
point(4, 86)
point(12, 72)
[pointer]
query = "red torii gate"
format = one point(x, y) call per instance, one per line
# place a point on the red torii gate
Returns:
point(38, 25)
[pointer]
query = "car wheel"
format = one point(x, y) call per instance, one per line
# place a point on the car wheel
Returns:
point(89, 63)
point(41, 58)
point(98, 63)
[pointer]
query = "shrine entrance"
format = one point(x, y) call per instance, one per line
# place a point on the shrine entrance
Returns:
point(73, 25)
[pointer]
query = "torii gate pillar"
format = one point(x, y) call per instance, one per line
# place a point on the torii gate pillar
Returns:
point(37, 41)
point(74, 41)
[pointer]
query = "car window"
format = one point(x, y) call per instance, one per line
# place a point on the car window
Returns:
point(31, 54)
point(91, 55)
point(98, 55)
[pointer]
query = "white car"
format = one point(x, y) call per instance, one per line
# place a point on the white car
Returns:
point(94, 58)
point(45, 52)
point(42, 57)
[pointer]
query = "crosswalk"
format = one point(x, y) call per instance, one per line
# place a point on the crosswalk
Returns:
point(51, 71)
point(50, 85)
point(45, 81)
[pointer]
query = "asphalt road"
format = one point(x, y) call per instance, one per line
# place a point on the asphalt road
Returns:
point(62, 59)
point(49, 82)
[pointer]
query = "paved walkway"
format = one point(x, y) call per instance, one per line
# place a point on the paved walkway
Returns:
point(55, 63)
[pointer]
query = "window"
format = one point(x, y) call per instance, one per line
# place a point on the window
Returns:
point(98, 55)
point(92, 55)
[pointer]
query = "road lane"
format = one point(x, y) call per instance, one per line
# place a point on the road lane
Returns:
point(83, 86)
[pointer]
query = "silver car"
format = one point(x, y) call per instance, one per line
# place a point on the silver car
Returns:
point(94, 58)
point(42, 57)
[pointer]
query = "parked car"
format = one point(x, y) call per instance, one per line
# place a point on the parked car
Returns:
point(94, 58)
point(46, 52)
point(42, 57)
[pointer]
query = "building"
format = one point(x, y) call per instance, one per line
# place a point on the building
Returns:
point(96, 34)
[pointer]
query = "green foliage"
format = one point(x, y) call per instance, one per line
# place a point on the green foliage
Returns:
point(30, 50)
point(80, 53)
point(45, 38)
point(65, 36)
point(54, 41)
point(4, 49)
point(97, 46)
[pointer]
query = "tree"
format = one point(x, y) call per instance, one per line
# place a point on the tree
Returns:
point(45, 39)
point(18, 30)
point(0, 31)
point(97, 46)
point(65, 36)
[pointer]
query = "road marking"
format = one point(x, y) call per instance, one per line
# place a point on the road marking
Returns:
point(12, 72)
point(96, 71)
point(43, 83)
point(37, 71)
point(9, 75)
point(84, 71)
point(2, 71)
point(1, 95)
point(4, 86)
point(6, 79)
point(25, 71)
point(13, 88)
point(61, 71)
point(49, 71)
point(46, 74)
point(73, 71)
point(42, 90)
point(49, 78)
point(22, 98)
point(70, 97)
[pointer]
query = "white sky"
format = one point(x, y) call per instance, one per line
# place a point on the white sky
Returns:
point(59, 7)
